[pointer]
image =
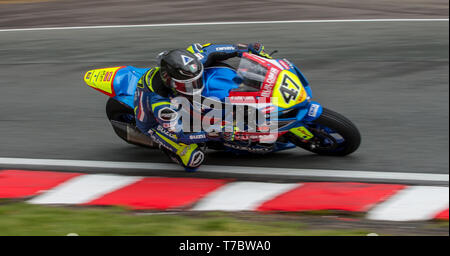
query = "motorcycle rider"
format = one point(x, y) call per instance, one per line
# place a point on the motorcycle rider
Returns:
point(180, 73)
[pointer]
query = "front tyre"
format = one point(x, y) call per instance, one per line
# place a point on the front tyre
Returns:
point(334, 135)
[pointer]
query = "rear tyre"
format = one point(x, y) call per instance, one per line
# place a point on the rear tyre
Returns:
point(334, 135)
point(118, 111)
point(123, 122)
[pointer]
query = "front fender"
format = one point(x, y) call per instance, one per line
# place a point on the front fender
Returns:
point(311, 112)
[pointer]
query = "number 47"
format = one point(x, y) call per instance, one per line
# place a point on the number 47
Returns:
point(289, 89)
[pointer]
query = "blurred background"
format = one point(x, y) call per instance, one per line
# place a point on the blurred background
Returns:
point(389, 78)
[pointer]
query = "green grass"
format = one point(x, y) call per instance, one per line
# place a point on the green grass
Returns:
point(20, 219)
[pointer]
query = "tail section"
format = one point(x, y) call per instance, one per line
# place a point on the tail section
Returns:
point(102, 79)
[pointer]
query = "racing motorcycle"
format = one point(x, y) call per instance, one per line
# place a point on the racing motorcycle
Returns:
point(301, 122)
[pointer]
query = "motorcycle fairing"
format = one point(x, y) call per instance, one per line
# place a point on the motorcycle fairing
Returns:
point(288, 90)
point(125, 83)
point(102, 79)
point(218, 82)
point(116, 82)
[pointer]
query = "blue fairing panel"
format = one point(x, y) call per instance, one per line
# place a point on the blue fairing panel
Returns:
point(125, 83)
point(304, 81)
point(218, 82)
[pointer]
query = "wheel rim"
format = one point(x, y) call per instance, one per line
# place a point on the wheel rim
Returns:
point(325, 139)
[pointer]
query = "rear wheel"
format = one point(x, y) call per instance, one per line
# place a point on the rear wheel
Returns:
point(117, 111)
point(334, 135)
point(123, 122)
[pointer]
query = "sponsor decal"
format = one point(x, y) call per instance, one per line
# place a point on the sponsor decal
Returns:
point(289, 63)
point(313, 110)
point(304, 133)
point(284, 64)
point(268, 84)
point(272, 77)
point(268, 109)
point(167, 114)
point(186, 59)
point(225, 48)
point(193, 68)
point(242, 99)
point(197, 159)
point(108, 76)
point(263, 128)
point(88, 75)
point(256, 149)
point(102, 75)
point(184, 151)
point(197, 136)
point(242, 46)
point(199, 56)
point(198, 47)
point(166, 132)
point(271, 138)
point(253, 137)
point(98, 76)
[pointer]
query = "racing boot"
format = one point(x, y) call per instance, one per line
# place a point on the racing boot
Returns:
point(188, 156)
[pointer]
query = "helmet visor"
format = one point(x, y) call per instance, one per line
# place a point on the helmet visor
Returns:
point(190, 86)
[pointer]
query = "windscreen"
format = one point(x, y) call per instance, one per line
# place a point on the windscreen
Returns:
point(250, 76)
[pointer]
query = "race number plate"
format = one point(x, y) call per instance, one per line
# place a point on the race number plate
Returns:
point(288, 90)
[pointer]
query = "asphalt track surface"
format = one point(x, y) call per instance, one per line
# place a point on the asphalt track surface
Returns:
point(390, 78)
point(49, 13)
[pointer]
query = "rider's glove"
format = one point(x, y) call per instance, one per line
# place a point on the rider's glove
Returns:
point(257, 48)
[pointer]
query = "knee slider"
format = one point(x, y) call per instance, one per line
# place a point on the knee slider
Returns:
point(191, 155)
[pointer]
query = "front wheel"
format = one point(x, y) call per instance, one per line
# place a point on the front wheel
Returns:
point(334, 135)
